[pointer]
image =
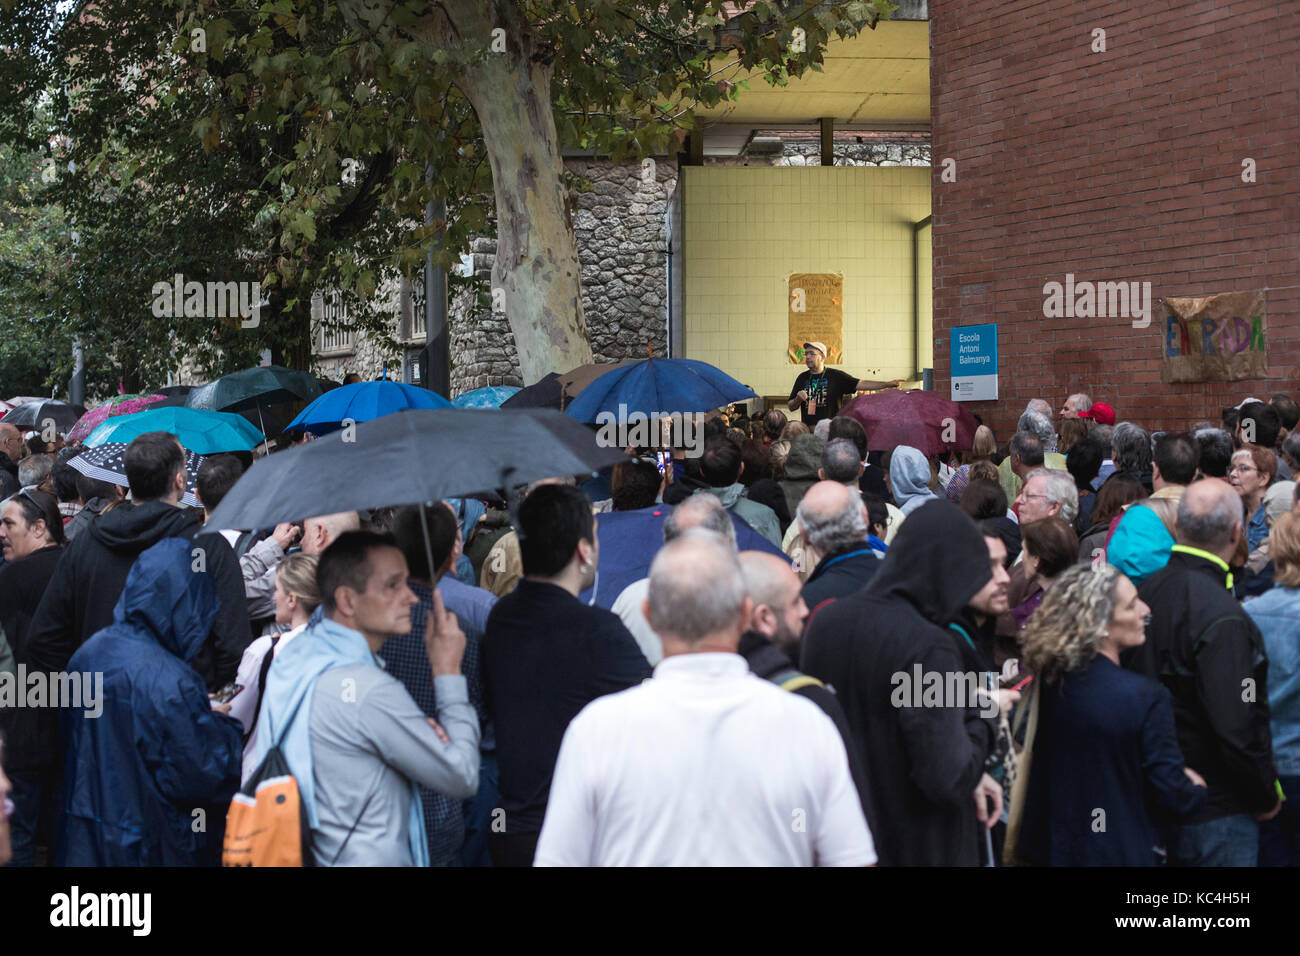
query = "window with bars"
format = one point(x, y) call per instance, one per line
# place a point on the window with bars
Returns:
point(419, 325)
point(335, 333)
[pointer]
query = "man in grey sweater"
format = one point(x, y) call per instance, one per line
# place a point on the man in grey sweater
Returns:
point(367, 743)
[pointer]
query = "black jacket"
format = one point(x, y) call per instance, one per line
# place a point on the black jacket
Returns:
point(839, 573)
point(545, 656)
point(31, 733)
point(767, 492)
point(1207, 651)
point(8, 476)
point(922, 763)
point(92, 572)
point(769, 662)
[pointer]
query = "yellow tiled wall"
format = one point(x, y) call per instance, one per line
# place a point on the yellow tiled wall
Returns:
point(746, 229)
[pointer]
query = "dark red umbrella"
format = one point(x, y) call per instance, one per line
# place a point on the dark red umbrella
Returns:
point(926, 421)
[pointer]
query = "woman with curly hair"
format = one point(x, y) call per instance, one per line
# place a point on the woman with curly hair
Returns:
point(1099, 737)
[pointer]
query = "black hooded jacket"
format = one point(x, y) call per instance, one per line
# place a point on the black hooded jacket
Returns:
point(31, 733)
point(922, 763)
point(92, 572)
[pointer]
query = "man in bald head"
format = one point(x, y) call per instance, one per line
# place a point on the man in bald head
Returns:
point(705, 763)
point(697, 511)
point(1207, 651)
point(833, 528)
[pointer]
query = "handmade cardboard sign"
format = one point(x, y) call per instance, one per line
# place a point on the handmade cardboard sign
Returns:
point(816, 308)
point(1216, 338)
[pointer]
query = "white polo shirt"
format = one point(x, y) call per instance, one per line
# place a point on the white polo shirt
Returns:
point(704, 764)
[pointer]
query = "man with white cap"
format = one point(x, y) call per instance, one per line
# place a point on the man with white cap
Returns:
point(820, 389)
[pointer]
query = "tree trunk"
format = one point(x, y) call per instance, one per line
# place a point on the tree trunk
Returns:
point(292, 349)
point(537, 256)
point(537, 270)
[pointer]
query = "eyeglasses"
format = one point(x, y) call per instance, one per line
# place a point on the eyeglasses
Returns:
point(1242, 469)
point(1027, 496)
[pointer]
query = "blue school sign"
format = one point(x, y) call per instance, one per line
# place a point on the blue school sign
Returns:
point(973, 353)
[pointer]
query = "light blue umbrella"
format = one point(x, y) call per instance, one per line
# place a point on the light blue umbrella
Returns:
point(201, 431)
point(362, 402)
point(659, 385)
point(490, 396)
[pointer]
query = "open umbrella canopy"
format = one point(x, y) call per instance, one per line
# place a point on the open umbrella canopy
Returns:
point(108, 463)
point(37, 414)
point(363, 402)
point(546, 393)
point(199, 430)
point(254, 387)
point(659, 385)
point(926, 421)
point(575, 380)
point(490, 396)
point(408, 458)
point(117, 405)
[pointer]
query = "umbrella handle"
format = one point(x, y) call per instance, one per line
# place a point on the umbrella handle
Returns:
point(428, 547)
point(266, 445)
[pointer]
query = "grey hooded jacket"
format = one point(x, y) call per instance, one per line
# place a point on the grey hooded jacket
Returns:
point(758, 516)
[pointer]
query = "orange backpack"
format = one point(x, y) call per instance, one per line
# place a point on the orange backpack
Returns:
point(267, 822)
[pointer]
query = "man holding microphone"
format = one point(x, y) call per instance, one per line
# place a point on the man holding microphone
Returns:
point(820, 389)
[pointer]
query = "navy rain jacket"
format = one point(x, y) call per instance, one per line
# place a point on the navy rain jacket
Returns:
point(135, 774)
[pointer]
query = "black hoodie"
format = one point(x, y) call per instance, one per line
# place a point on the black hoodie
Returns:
point(31, 733)
point(922, 763)
point(92, 572)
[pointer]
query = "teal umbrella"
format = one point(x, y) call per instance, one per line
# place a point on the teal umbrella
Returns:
point(490, 396)
point(202, 432)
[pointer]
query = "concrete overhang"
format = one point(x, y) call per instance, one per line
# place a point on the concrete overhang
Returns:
point(878, 80)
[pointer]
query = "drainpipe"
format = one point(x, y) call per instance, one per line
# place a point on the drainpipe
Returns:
point(926, 375)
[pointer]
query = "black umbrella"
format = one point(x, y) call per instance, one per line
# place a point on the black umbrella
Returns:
point(254, 388)
point(35, 414)
point(411, 457)
point(548, 393)
point(176, 395)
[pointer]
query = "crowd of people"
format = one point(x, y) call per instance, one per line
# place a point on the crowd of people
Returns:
point(1076, 646)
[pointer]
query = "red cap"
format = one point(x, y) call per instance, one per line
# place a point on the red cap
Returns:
point(1101, 413)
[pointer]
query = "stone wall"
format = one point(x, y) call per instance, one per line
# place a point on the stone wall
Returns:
point(619, 225)
point(621, 229)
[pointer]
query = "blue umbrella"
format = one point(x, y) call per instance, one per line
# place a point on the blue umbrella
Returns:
point(362, 402)
point(659, 385)
point(201, 431)
point(490, 396)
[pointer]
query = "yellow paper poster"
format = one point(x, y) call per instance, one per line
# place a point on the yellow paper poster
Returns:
point(816, 310)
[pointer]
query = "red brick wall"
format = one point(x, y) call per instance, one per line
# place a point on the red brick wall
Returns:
point(1117, 166)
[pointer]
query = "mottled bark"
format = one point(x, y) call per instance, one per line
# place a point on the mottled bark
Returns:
point(537, 256)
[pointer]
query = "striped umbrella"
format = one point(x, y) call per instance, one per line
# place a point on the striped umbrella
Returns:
point(108, 463)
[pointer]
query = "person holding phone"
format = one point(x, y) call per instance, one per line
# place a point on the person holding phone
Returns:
point(819, 391)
